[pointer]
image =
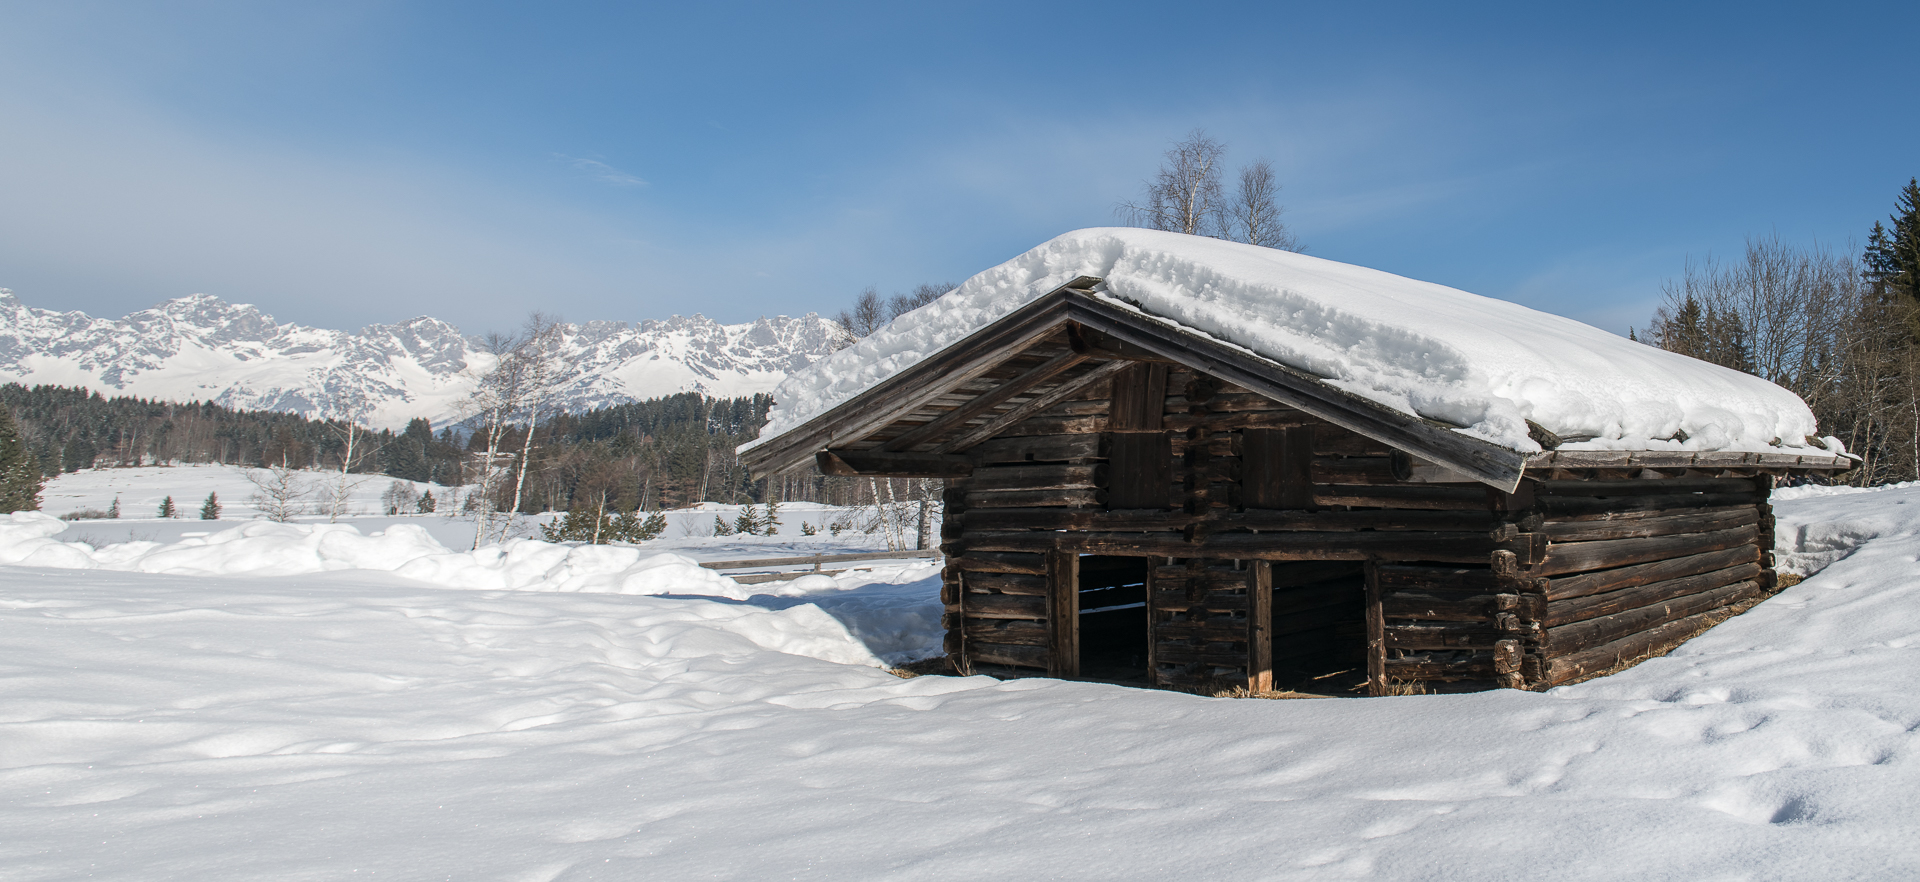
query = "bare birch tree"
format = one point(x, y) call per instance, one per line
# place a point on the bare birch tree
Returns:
point(277, 494)
point(345, 414)
point(1253, 215)
point(518, 387)
point(1185, 196)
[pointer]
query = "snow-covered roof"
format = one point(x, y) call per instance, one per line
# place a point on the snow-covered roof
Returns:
point(1484, 365)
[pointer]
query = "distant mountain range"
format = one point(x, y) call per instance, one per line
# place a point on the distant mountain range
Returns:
point(203, 348)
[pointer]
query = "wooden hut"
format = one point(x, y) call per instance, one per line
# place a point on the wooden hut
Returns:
point(1129, 500)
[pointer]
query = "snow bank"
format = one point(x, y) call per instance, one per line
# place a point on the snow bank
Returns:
point(1818, 526)
point(1417, 347)
point(339, 725)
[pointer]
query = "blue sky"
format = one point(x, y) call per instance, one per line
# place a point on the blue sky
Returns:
point(345, 163)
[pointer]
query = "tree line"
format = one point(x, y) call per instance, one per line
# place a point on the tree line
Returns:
point(1840, 330)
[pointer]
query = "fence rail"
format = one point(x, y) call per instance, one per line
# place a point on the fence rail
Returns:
point(815, 560)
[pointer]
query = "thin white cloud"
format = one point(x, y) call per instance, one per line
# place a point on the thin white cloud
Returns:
point(602, 172)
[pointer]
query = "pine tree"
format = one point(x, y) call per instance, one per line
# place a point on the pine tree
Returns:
point(771, 524)
point(210, 510)
point(748, 523)
point(720, 527)
point(427, 503)
point(166, 508)
point(20, 478)
point(113, 511)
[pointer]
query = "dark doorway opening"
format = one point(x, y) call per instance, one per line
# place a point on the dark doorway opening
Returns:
point(1319, 626)
point(1113, 619)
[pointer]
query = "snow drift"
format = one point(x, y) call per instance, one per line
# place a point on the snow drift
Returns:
point(1482, 364)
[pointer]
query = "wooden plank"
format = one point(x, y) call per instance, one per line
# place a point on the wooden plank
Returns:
point(1009, 631)
point(1556, 507)
point(1008, 583)
point(1277, 468)
point(990, 562)
point(1238, 421)
point(1091, 496)
point(985, 402)
point(1572, 557)
point(1583, 635)
point(1389, 469)
point(1376, 634)
point(1142, 473)
point(1046, 425)
point(1645, 487)
point(1040, 477)
point(1005, 606)
point(1057, 448)
point(1585, 584)
point(1448, 635)
point(1440, 497)
point(1567, 612)
point(970, 439)
point(1698, 521)
point(815, 559)
point(1139, 395)
point(1437, 547)
point(867, 463)
point(982, 653)
point(1260, 626)
point(1490, 463)
point(1645, 643)
point(1063, 614)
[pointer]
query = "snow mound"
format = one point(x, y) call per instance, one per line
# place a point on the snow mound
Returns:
point(1820, 526)
point(282, 550)
point(1420, 348)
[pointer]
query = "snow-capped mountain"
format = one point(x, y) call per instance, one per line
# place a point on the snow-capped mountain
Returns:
point(203, 348)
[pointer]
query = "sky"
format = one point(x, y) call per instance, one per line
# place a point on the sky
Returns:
point(346, 163)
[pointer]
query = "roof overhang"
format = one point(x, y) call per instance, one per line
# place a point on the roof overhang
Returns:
point(1110, 329)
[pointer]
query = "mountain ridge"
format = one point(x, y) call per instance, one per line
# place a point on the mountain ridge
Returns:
point(201, 347)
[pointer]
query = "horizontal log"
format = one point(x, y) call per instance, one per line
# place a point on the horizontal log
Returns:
point(1226, 444)
point(1390, 469)
point(1574, 506)
point(864, 463)
point(1335, 441)
point(1006, 654)
point(1697, 521)
point(1032, 498)
point(1584, 584)
point(1476, 579)
point(1003, 606)
point(989, 562)
point(1458, 635)
point(1179, 601)
point(1653, 641)
point(1452, 606)
point(1215, 629)
point(1440, 547)
point(1073, 425)
point(1415, 496)
point(1227, 402)
point(1233, 422)
point(1580, 636)
point(1659, 486)
point(1212, 577)
point(1421, 666)
point(1566, 612)
point(1007, 583)
point(1011, 632)
point(1039, 477)
point(1574, 557)
point(1055, 448)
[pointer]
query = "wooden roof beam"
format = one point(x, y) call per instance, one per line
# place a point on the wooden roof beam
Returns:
point(985, 402)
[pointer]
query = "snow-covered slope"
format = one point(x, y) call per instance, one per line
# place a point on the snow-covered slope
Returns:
point(1482, 364)
point(203, 348)
point(312, 722)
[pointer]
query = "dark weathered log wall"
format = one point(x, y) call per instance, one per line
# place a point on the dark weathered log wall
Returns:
point(1281, 542)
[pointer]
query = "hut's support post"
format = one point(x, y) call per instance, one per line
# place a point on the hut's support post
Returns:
point(1260, 626)
point(1063, 614)
point(1376, 634)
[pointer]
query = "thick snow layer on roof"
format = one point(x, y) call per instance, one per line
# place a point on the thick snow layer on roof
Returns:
point(1482, 364)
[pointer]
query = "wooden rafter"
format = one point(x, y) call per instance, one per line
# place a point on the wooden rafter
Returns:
point(1039, 403)
point(985, 402)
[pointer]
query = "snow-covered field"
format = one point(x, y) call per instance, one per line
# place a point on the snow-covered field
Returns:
point(465, 719)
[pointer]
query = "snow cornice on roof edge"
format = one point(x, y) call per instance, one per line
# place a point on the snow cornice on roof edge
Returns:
point(1444, 357)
